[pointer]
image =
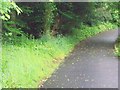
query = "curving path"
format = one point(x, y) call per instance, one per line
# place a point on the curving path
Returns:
point(91, 65)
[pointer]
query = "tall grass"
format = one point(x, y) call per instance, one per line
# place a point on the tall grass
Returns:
point(26, 62)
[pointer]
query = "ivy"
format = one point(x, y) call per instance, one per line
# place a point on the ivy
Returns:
point(49, 16)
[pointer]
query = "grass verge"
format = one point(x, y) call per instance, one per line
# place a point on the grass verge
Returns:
point(26, 62)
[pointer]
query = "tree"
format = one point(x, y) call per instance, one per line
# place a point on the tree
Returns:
point(50, 7)
point(6, 7)
point(8, 11)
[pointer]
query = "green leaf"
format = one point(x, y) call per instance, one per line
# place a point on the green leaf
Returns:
point(3, 18)
point(7, 15)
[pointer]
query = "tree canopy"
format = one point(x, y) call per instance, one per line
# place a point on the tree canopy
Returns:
point(53, 18)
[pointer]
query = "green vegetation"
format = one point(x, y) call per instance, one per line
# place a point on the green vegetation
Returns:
point(5, 9)
point(27, 62)
point(36, 42)
point(117, 47)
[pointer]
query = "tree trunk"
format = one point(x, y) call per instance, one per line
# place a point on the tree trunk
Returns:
point(13, 18)
point(47, 18)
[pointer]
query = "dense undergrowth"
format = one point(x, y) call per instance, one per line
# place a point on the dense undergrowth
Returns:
point(26, 62)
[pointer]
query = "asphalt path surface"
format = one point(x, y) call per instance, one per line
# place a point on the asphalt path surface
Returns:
point(91, 65)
